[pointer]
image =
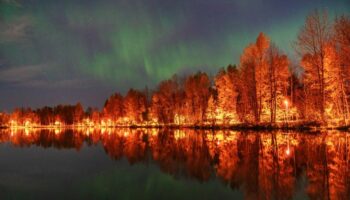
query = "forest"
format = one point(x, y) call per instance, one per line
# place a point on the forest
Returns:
point(264, 88)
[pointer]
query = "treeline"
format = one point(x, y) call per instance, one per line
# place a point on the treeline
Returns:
point(264, 88)
point(67, 114)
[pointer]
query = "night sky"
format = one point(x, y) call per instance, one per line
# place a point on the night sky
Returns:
point(66, 51)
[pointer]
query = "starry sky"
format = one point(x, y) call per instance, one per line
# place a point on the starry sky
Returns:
point(66, 51)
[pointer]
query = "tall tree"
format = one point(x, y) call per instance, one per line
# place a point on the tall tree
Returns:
point(114, 108)
point(277, 75)
point(164, 100)
point(254, 71)
point(342, 47)
point(78, 113)
point(227, 92)
point(197, 95)
point(311, 43)
point(135, 106)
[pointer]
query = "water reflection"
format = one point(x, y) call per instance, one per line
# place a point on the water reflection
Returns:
point(269, 165)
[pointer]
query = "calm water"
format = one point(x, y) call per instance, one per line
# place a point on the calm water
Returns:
point(173, 164)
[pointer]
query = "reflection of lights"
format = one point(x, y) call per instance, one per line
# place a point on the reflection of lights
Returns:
point(288, 151)
point(154, 132)
point(89, 130)
point(217, 137)
point(57, 131)
point(179, 134)
point(126, 134)
point(286, 103)
point(12, 132)
point(103, 130)
point(26, 132)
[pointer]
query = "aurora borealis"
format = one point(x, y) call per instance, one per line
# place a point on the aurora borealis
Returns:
point(78, 50)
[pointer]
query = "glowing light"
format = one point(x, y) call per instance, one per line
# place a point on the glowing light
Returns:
point(27, 123)
point(26, 132)
point(179, 119)
point(286, 103)
point(288, 151)
point(13, 123)
point(126, 134)
point(57, 131)
point(179, 134)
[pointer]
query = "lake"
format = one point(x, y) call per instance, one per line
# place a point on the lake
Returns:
point(173, 164)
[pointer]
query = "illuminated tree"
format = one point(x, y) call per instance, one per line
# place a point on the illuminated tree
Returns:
point(46, 115)
point(164, 101)
point(93, 114)
point(135, 104)
point(334, 85)
point(4, 118)
point(227, 93)
point(254, 72)
point(342, 39)
point(113, 108)
point(212, 111)
point(78, 113)
point(277, 75)
point(311, 43)
point(197, 95)
point(342, 46)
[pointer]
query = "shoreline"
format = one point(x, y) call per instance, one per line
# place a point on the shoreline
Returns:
point(238, 127)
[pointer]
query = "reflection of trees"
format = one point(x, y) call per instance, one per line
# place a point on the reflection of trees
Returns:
point(43, 138)
point(316, 169)
point(276, 167)
point(186, 156)
point(129, 143)
point(262, 165)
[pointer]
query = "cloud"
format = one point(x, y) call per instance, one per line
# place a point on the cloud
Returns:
point(21, 73)
point(35, 76)
point(15, 30)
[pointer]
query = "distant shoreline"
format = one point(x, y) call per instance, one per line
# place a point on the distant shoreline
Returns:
point(238, 127)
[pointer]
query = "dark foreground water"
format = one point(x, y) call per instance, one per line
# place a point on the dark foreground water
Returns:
point(173, 164)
